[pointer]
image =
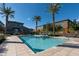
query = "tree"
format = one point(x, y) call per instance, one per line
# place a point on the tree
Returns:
point(54, 8)
point(58, 28)
point(75, 24)
point(7, 12)
point(37, 19)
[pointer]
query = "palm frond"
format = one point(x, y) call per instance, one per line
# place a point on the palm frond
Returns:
point(1, 13)
point(54, 8)
point(12, 16)
point(37, 18)
point(0, 8)
point(7, 11)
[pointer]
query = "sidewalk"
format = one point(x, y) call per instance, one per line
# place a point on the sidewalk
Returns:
point(14, 47)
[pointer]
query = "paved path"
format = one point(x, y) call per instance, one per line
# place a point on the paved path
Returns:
point(13, 46)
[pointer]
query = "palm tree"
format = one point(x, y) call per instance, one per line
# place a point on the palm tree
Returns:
point(47, 27)
point(7, 12)
point(75, 24)
point(54, 8)
point(37, 19)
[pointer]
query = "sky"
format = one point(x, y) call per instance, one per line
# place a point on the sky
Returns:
point(24, 12)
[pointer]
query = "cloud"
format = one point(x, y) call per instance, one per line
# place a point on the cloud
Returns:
point(77, 19)
point(28, 19)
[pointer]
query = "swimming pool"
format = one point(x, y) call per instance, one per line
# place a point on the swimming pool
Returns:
point(38, 44)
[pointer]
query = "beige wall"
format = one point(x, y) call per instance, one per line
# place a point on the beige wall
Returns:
point(64, 24)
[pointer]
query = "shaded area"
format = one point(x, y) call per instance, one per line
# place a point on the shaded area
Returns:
point(2, 50)
point(2, 46)
point(70, 45)
point(37, 50)
point(13, 42)
point(2, 40)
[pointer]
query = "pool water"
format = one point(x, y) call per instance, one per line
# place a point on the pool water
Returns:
point(38, 44)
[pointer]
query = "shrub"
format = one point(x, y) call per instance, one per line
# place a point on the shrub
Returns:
point(2, 38)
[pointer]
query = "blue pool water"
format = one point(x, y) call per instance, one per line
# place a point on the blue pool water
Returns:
point(38, 44)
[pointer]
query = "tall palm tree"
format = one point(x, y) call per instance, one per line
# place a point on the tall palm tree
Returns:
point(37, 19)
point(7, 12)
point(54, 8)
point(75, 24)
point(47, 27)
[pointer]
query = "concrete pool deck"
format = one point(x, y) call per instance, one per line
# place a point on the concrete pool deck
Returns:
point(13, 46)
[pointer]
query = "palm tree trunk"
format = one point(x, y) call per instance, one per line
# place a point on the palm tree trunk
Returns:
point(68, 27)
point(75, 24)
point(6, 24)
point(47, 29)
point(53, 23)
point(36, 26)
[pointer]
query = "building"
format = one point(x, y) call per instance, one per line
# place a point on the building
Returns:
point(14, 27)
point(27, 30)
point(1, 27)
point(64, 26)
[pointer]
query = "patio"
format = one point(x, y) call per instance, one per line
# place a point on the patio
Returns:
point(13, 46)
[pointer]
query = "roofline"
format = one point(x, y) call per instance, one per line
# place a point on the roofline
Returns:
point(16, 22)
point(2, 22)
point(57, 22)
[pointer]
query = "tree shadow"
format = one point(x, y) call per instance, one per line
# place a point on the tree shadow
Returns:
point(70, 45)
point(13, 42)
point(2, 50)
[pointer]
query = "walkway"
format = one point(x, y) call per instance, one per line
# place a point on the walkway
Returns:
point(13, 46)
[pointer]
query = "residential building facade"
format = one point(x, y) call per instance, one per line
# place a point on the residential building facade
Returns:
point(14, 27)
point(1, 27)
point(64, 26)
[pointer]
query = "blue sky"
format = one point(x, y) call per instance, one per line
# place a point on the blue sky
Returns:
point(24, 12)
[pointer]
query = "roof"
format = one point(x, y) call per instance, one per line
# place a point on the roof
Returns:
point(57, 22)
point(1, 23)
point(15, 22)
